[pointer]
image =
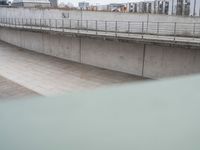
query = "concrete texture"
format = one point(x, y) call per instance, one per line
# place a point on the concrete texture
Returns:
point(12, 90)
point(124, 57)
point(50, 44)
point(61, 46)
point(169, 61)
point(140, 59)
point(49, 75)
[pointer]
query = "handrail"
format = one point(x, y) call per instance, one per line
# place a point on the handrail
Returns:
point(174, 29)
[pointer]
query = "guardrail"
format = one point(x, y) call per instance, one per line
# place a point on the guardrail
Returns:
point(175, 29)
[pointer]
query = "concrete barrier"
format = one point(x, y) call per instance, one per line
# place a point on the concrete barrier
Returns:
point(129, 57)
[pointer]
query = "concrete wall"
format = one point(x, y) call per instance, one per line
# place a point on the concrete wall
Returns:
point(124, 57)
point(54, 45)
point(138, 59)
point(170, 61)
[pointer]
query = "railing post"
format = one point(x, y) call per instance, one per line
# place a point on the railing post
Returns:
point(128, 27)
point(50, 24)
point(96, 27)
point(87, 25)
point(142, 30)
point(106, 26)
point(116, 29)
point(45, 23)
point(175, 24)
point(70, 24)
point(31, 23)
point(26, 22)
point(78, 26)
point(40, 24)
point(62, 25)
point(194, 30)
point(158, 27)
point(56, 24)
point(35, 23)
point(15, 23)
point(22, 22)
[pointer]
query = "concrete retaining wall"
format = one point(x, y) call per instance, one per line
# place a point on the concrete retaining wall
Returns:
point(138, 59)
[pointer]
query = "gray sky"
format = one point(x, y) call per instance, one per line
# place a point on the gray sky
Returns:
point(94, 2)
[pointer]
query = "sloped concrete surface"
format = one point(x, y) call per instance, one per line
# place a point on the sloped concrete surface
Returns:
point(48, 75)
point(12, 90)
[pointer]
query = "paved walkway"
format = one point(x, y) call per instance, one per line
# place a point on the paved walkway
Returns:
point(48, 75)
point(148, 37)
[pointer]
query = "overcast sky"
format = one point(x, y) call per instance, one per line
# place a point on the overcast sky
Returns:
point(94, 2)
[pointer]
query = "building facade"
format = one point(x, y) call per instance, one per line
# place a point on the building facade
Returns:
point(54, 3)
point(83, 5)
point(168, 7)
point(184, 7)
point(31, 3)
point(3, 2)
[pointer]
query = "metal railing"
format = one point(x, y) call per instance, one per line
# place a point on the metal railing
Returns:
point(172, 29)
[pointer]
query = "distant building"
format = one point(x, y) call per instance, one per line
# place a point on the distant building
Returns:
point(3, 2)
point(194, 8)
point(184, 7)
point(31, 3)
point(141, 7)
point(102, 7)
point(117, 7)
point(161, 7)
point(132, 7)
point(83, 5)
point(54, 3)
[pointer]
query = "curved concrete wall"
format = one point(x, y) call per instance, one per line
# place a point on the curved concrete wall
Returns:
point(138, 59)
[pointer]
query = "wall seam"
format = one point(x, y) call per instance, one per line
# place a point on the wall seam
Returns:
point(143, 59)
point(80, 49)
